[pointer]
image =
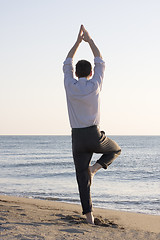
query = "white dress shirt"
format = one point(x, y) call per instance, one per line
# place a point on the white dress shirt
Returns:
point(83, 95)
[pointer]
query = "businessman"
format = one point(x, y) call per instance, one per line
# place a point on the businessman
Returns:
point(83, 101)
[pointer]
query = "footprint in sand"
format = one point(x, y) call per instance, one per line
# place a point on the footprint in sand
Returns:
point(98, 221)
point(19, 209)
point(2, 219)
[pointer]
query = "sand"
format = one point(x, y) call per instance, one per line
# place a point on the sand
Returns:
point(25, 218)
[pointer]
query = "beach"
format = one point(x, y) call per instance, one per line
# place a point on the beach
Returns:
point(42, 167)
point(26, 218)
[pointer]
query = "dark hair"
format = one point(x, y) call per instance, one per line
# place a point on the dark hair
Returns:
point(83, 68)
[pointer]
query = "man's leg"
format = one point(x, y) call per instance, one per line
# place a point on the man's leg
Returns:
point(110, 150)
point(81, 161)
point(106, 159)
point(84, 143)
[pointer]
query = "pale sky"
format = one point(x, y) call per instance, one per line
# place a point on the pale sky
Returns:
point(36, 36)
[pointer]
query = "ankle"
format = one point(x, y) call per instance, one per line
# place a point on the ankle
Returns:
point(89, 218)
point(95, 168)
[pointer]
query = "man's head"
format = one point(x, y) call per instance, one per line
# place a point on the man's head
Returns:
point(83, 69)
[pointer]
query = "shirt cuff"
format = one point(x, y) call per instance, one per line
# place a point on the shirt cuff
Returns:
point(68, 61)
point(98, 60)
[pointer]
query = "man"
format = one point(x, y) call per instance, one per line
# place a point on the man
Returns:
point(84, 114)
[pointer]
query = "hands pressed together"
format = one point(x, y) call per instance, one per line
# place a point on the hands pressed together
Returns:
point(83, 35)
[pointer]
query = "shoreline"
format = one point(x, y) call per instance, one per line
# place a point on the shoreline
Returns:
point(43, 219)
point(56, 199)
point(79, 204)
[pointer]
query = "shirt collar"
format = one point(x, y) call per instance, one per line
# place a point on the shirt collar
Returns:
point(83, 79)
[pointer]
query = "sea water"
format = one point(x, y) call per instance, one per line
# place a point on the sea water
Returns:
point(42, 167)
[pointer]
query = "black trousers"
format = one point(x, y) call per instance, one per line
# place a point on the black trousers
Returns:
point(85, 142)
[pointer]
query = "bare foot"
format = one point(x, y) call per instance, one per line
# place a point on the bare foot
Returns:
point(92, 170)
point(90, 218)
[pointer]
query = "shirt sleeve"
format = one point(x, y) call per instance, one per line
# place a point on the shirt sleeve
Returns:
point(99, 68)
point(68, 70)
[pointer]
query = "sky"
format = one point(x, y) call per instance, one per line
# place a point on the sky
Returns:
point(36, 36)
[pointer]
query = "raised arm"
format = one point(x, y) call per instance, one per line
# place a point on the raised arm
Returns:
point(76, 45)
point(87, 38)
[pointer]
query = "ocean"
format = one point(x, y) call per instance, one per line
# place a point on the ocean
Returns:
point(42, 167)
